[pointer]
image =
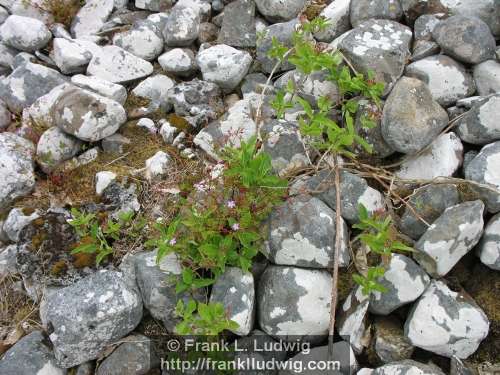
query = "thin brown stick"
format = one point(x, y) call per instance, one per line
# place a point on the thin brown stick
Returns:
point(335, 275)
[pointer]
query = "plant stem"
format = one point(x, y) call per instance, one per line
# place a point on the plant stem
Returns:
point(338, 234)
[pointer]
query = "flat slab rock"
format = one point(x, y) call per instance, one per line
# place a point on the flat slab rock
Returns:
point(89, 315)
point(294, 301)
point(450, 237)
point(446, 323)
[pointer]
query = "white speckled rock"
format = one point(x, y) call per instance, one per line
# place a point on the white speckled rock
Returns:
point(148, 125)
point(442, 159)
point(24, 33)
point(144, 41)
point(31, 355)
point(116, 65)
point(17, 177)
point(182, 26)
point(411, 118)
point(362, 10)
point(484, 169)
point(40, 112)
point(302, 233)
point(351, 324)
point(487, 77)
point(89, 315)
point(235, 290)
point(280, 10)
point(101, 86)
point(86, 115)
point(179, 62)
point(27, 83)
point(446, 323)
point(102, 180)
point(467, 39)
point(73, 56)
point(337, 14)
point(381, 46)
point(404, 280)
point(154, 5)
point(155, 89)
point(294, 301)
point(91, 17)
point(224, 65)
point(16, 220)
point(447, 80)
point(55, 147)
point(450, 237)
point(424, 26)
point(167, 132)
point(157, 166)
point(407, 367)
point(489, 247)
point(480, 125)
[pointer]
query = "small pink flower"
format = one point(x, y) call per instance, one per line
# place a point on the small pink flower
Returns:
point(231, 204)
point(172, 242)
point(235, 226)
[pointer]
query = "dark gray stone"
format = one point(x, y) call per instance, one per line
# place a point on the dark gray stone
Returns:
point(424, 26)
point(362, 10)
point(238, 24)
point(279, 10)
point(480, 125)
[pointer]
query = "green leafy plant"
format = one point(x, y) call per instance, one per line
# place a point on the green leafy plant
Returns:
point(202, 319)
point(380, 236)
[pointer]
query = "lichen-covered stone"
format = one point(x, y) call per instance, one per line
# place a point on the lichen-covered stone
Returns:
point(411, 118)
point(404, 280)
point(447, 80)
point(24, 33)
point(294, 301)
point(487, 77)
point(144, 41)
point(337, 14)
point(155, 91)
point(381, 46)
point(235, 290)
point(450, 237)
point(480, 125)
point(16, 220)
point(55, 147)
point(362, 10)
point(238, 24)
point(157, 166)
point(84, 318)
point(407, 367)
point(352, 319)
point(91, 17)
point(446, 323)
point(73, 55)
point(182, 26)
point(489, 247)
point(101, 86)
point(179, 62)
point(389, 342)
point(279, 10)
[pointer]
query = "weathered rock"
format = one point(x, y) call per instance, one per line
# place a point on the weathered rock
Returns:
point(446, 323)
point(238, 24)
point(354, 190)
point(311, 86)
point(337, 14)
point(302, 233)
point(442, 158)
point(24, 33)
point(30, 355)
point(179, 62)
point(15, 222)
point(182, 26)
point(480, 125)
point(208, 32)
point(283, 143)
point(467, 39)
point(101, 86)
point(135, 356)
point(5, 116)
point(55, 147)
point(424, 26)
point(278, 11)
point(157, 166)
point(429, 202)
point(235, 290)
point(484, 170)
point(407, 367)
point(121, 198)
point(224, 65)
point(27, 83)
point(283, 33)
point(91, 17)
point(7, 57)
point(73, 56)
point(411, 118)
point(102, 180)
point(294, 301)
point(154, 5)
point(167, 132)
point(404, 280)
point(89, 315)
point(17, 177)
point(362, 10)
point(447, 80)
point(450, 237)
point(155, 90)
point(489, 247)
point(148, 124)
point(88, 116)
point(4, 14)
point(144, 41)
point(487, 77)
point(116, 65)
point(381, 46)
point(389, 343)
point(351, 324)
